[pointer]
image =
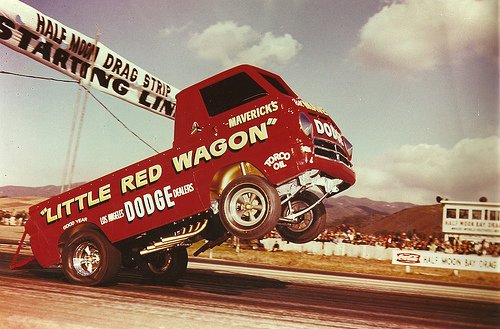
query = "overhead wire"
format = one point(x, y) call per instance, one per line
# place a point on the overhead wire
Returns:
point(118, 119)
point(37, 77)
point(91, 94)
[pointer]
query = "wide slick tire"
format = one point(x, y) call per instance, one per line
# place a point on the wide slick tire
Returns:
point(165, 266)
point(310, 225)
point(249, 207)
point(90, 259)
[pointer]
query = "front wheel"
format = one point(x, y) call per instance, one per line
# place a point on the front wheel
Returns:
point(309, 225)
point(165, 266)
point(249, 207)
point(90, 259)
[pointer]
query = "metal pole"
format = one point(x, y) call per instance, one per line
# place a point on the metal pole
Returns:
point(82, 117)
point(76, 109)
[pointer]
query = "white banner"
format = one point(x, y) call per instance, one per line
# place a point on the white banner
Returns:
point(26, 30)
point(441, 260)
point(472, 226)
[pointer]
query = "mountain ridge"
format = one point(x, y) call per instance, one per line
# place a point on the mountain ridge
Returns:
point(365, 215)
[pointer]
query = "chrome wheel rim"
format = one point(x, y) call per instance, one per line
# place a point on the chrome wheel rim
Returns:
point(248, 207)
point(86, 259)
point(159, 262)
point(304, 221)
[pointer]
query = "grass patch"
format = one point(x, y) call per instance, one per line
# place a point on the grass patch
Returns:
point(347, 264)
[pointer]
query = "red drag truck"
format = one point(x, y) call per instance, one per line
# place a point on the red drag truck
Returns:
point(246, 154)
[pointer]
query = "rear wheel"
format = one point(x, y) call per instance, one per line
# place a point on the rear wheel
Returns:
point(249, 207)
point(90, 259)
point(165, 266)
point(309, 225)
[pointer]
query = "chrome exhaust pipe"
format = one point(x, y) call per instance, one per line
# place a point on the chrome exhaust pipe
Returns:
point(172, 241)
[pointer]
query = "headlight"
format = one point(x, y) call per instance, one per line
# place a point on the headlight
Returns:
point(305, 124)
point(348, 146)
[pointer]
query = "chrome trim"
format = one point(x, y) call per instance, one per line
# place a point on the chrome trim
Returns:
point(172, 241)
point(330, 150)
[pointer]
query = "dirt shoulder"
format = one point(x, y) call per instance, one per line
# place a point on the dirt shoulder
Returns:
point(317, 262)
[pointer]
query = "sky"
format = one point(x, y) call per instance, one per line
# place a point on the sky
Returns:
point(413, 84)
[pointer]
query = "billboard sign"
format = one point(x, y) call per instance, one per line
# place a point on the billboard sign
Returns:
point(449, 261)
point(84, 59)
point(471, 218)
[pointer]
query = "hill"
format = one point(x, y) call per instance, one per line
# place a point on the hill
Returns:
point(345, 206)
point(22, 191)
point(380, 217)
point(338, 208)
point(18, 204)
point(360, 212)
point(367, 216)
point(422, 219)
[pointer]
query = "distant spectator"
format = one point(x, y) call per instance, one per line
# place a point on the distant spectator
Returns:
point(348, 234)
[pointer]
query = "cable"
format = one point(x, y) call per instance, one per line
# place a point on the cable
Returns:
point(37, 77)
point(120, 121)
point(91, 94)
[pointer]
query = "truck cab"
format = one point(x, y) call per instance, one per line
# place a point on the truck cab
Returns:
point(302, 147)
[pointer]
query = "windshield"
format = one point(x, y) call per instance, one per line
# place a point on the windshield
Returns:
point(230, 93)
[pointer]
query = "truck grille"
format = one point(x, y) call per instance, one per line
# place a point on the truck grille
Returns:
point(331, 151)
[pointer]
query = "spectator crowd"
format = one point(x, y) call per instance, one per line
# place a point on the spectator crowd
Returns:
point(16, 218)
point(348, 234)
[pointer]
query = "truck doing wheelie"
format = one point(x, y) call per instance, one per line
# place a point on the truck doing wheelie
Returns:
point(247, 155)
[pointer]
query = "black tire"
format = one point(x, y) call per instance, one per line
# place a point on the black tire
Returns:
point(214, 229)
point(249, 207)
point(165, 266)
point(90, 259)
point(311, 224)
point(129, 259)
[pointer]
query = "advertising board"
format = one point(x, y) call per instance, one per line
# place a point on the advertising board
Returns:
point(471, 218)
point(84, 59)
point(442, 260)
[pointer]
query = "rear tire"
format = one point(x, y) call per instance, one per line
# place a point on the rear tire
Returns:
point(165, 266)
point(311, 224)
point(249, 207)
point(90, 259)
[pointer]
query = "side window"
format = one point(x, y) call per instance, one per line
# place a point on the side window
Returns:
point(463, 214)
point(476, 214)
point(276, 84)
point(451, 213)
point(230, 93)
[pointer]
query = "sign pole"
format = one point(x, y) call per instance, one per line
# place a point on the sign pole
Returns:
point(82, 110)
point(76, 110)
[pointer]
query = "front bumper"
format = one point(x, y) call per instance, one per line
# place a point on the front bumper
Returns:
point(330, 159)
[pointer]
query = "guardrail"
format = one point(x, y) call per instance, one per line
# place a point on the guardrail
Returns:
point(397, 256)
point(330, 248)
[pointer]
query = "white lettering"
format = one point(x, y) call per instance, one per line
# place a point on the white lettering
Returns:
point(159, 200)
point(129, 211)
point(148, 204)
point(183, 190)
point(325, 128)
